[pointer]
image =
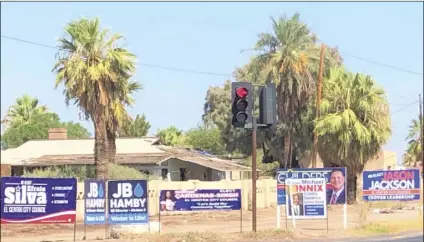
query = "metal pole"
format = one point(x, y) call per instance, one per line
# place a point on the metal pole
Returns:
point(241, 220)
point(318, 102)
point(421, 128)
point(254, 174)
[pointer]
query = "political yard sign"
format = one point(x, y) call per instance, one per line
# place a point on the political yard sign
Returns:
point(128, 202)
point(391, 185)
point(95, 202)
point(335, 178)
point(306, 198)
point(199, 200)
point(38, 200)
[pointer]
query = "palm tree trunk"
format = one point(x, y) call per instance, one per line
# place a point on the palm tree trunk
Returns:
point(351, 187)
point(101, 145)
point(286, 151)
point(111, 139)
point(290, 158)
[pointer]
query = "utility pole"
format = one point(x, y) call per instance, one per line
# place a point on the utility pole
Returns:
point(254, 129)
point(317, 106)
point(421, 128)
point(243, 104)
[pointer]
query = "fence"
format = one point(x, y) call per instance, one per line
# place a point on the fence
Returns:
point(266, 192)
point(228, 221)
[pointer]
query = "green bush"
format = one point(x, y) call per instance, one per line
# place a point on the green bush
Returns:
point(79, 172)
point(120, 172)
point(116, 172)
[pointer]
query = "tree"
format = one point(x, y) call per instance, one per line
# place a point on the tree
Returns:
point(355, 122)
point(217, 112)
point(289, 57)
point(37, 128)
point(76, 130)
point(138, 127)
point(121, 99)
point(413, 151)
point(23, 110)
point(286, 56)
point(206, 139)
point(171, 136)
point(94, 71)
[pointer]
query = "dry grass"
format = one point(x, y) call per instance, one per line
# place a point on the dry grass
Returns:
point(389, 226)
point(205, 236)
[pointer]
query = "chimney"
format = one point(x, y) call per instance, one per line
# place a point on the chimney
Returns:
point(58, 134)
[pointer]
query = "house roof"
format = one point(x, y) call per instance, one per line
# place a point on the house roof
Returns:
point(129, 151)
point(200, 158)
point(35, 149)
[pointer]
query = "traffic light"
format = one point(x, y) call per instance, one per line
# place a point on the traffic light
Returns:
point(267, 105)
point(242, 102)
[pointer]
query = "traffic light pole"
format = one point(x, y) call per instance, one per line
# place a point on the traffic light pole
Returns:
point(254, 129)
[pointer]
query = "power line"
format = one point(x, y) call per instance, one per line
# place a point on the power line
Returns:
point(382, 64)
point(141, 64)
point(217, 74)
point(407, 106)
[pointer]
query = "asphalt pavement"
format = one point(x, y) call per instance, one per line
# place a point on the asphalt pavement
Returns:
point(393, 239)
point(416, 237)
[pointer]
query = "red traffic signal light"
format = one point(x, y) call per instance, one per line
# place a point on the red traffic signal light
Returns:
point(241, 92)
point(242, 100)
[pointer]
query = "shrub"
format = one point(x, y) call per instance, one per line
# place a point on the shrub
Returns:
point(79, 172)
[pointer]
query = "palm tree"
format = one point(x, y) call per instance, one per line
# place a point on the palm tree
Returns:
point(288, 55)
point(121, 99)
point(355, 122)
point(137, 127)
point(413, 152)
point(24, 108)
point(93, 69)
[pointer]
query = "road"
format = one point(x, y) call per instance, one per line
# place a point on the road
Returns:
point(403, 238)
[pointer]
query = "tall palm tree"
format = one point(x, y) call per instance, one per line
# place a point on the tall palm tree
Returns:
point(92, 69)
point(355, 122)
point(413, 152)
point(287, 56)
point(121, 99)
point(24, 108)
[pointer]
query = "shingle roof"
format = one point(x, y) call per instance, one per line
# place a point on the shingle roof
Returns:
point(37, 148)
point(203, 160)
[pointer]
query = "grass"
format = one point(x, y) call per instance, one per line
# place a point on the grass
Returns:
point(206, 236)
point(389, 227)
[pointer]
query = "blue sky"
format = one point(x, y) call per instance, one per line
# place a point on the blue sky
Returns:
point(208, 37)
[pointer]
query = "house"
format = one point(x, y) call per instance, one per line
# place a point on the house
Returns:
point(144, 154)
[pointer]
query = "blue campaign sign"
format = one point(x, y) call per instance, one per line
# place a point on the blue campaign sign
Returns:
point(335, 180)
point(128, 202)
point(38, 200)
point(95, 202)
point(198, 200)
point(391, 185)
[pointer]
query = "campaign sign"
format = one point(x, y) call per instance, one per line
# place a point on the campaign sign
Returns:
point(128, 202)
point(335, 179)
point(95, 202)
point(391, 185)
point(200, 200)
point(307, 198)
point(38, 200)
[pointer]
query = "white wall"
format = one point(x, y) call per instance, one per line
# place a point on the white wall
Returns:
point(193, 171)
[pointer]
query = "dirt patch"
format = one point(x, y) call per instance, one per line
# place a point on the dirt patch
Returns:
point(215, 226)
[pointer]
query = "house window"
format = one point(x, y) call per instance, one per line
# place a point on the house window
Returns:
point(182, 174)
point(164, 173)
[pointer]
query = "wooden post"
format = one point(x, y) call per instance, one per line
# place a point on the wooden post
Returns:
point(318, 101)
